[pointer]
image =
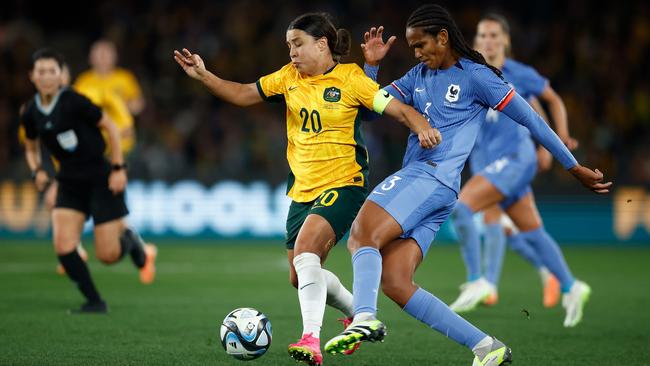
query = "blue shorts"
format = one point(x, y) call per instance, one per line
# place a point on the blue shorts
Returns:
point(417, 201)
point(511, 175)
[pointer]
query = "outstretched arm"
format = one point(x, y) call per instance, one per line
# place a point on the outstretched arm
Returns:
point(521, 112)
point(236, 93)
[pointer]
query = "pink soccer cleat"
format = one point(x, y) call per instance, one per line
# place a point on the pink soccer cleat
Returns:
point(307, 350)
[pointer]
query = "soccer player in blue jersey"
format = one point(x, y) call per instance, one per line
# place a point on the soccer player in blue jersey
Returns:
point(502, 172)
point(454, 87)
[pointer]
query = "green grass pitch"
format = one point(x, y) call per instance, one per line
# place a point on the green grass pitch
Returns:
point(176, 320)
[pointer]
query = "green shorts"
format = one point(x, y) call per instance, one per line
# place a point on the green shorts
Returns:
point(339, 206)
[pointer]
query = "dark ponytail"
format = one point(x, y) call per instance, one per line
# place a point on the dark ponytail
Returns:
point(320, 25)
point(433, 19)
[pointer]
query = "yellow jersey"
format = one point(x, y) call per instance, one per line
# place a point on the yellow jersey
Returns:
point(121, 82)
point(325, 144)
point(112, 93)
point(116, 109)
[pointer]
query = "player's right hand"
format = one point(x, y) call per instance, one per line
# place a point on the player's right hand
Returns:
point(591, 179)
point(429, 138)
point(191, 63)
point(374, 49)
point(41, 180)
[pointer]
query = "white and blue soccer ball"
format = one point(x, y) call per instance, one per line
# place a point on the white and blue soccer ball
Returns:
point(246, 334)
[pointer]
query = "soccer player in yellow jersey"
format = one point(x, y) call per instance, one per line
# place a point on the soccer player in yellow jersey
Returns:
point(105, 75)
point(326, 154)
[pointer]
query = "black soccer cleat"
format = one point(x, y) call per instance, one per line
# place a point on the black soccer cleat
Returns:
point(95, 307)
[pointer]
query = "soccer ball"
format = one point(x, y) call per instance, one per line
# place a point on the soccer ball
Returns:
point(246, 334)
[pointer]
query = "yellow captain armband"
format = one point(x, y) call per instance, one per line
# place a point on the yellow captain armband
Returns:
point(382, 98)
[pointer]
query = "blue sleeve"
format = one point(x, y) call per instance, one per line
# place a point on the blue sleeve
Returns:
point(402, 88)
point(533, 83)
point(489, 89)
point(371, 72)
point(521, 112)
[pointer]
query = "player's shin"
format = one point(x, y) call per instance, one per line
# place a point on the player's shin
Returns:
point(338, 296)
point(366, 266)
point(312, 292)
point(551, 255)
point(78, 272)
point(131, 243)
point(463, 219)
point(428, 309)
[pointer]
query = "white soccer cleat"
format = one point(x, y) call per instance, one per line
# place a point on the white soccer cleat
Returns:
point(574, 301)
point(471, 295)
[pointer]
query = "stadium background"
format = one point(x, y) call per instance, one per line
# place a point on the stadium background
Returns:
point(207, 185)
point(594, 56)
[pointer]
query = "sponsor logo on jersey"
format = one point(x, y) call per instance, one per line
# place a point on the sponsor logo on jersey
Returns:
point(332, 94)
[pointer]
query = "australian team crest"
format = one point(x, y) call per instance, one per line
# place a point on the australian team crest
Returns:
point(453, 91)
point(332, 94)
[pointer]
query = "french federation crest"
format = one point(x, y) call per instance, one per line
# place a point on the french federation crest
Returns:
point(332, 94)
point(453, 92)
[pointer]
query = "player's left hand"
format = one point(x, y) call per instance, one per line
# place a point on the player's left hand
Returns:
point(374, 49)
point(591, 179)
point(117, 181)
point(429, 138)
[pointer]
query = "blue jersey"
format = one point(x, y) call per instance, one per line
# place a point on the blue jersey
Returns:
point(455, 101)
point(501, 135)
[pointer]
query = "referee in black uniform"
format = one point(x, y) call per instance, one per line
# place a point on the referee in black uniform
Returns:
point(68, 124)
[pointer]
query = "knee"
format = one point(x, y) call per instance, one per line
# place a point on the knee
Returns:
point(64, 245)
point(107, 254)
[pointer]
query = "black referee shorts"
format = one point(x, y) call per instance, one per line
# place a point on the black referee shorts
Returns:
point(92, 198)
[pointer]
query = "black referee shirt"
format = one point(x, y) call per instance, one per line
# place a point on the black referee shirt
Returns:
point(68, 128)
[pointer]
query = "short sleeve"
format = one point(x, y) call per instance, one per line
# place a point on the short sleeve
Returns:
point(272, 87)
point(533, 84)
point(490, 89)
point(363, 88)
point(84, 109)
point(131, 87)
point(28, 124)
point(402, 88)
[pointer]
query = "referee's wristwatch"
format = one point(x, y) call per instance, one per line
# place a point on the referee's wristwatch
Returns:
point(117, 167)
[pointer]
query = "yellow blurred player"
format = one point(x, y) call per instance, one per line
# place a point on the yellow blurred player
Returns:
point(105, 76)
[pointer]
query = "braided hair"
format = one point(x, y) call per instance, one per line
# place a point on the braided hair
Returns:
point(433, 18)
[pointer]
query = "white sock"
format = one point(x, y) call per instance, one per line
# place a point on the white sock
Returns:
point(544, 273)
point(483, 347)
point(338, 296)
point(312, 292)
point(363, 317)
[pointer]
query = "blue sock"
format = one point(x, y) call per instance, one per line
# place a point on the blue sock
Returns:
point(366, 267)
point(428, 309)
point(470, 241)
point(495, 249)
point(525, 250)
point(551, 256)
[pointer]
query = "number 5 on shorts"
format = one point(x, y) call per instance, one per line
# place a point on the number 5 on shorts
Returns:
point(390, 184)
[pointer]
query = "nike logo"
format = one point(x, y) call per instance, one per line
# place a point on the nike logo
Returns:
point(293, 87)
point(311, 283)
point(419, 90)
point(375, 192)
point(386, 95)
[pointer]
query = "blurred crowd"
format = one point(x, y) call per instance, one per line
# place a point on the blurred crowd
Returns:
point(595, 55)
